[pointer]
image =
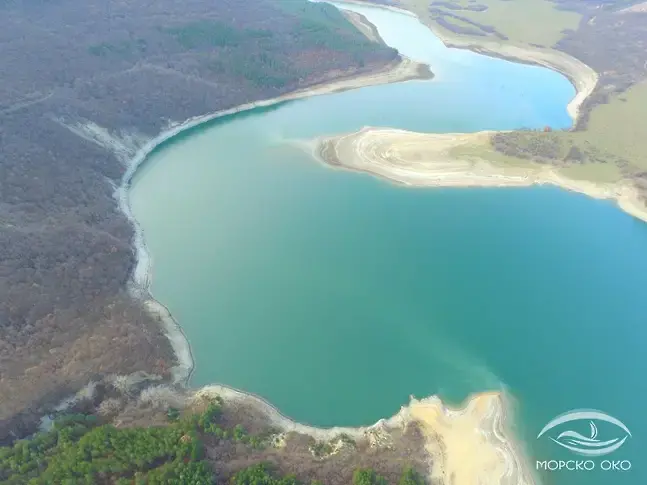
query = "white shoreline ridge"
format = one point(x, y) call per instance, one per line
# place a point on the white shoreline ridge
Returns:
point(468, 445)
point(427, 160)
point(401, 70)
point(583, 78)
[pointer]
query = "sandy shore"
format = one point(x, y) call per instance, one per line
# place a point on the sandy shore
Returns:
point(426, 160)
point(470, 445)
point(582, 77)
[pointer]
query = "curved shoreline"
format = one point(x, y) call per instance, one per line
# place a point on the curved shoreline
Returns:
point(476, 432)
point(481, 421)
point(583, 78)
point(402, 70)
point(470, 444)
point(426, 160)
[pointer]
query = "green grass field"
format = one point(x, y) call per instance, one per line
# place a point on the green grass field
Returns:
point(617, 132)
point(526, 21)
point(616, 137)
point(620, 127)
point(523, 21)
point(483, 151)
point(594, 171)
point(613, 146)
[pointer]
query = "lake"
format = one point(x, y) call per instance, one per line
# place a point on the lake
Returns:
point(336, 295)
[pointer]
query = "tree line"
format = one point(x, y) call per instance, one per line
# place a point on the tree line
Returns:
point(79, 449)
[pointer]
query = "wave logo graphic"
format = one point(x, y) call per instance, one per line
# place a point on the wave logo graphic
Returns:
point(586, 445)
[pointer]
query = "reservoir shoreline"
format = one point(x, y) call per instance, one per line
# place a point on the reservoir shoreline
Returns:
point(476, 433)
point(485, 412)
point(583, 78)
point(401, 70)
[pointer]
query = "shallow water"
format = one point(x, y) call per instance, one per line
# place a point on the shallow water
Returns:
point(336, 295)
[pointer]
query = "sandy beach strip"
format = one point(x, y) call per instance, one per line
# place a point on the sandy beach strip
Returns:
point(426, 160)
point(582, 77)
point(467, 445)
point(471, 445)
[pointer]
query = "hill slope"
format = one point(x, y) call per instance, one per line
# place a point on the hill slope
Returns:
point(129, 67)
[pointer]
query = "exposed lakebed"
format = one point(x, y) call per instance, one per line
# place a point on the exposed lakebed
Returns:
point(336, 295)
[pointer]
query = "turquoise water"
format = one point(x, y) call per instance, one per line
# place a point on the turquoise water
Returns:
point(337, 295)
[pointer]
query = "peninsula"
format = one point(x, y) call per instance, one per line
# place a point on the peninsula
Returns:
point(450, 160)
point(601, 156)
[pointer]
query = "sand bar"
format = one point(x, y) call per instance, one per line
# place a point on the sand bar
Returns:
point(426, 160)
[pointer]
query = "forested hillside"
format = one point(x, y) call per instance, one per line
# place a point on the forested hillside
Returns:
point(130, 67)
point(205, 443)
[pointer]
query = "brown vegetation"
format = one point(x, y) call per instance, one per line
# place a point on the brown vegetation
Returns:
point(140, 403)
point(65, 249)
point(406, 447)
point(552, 148)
